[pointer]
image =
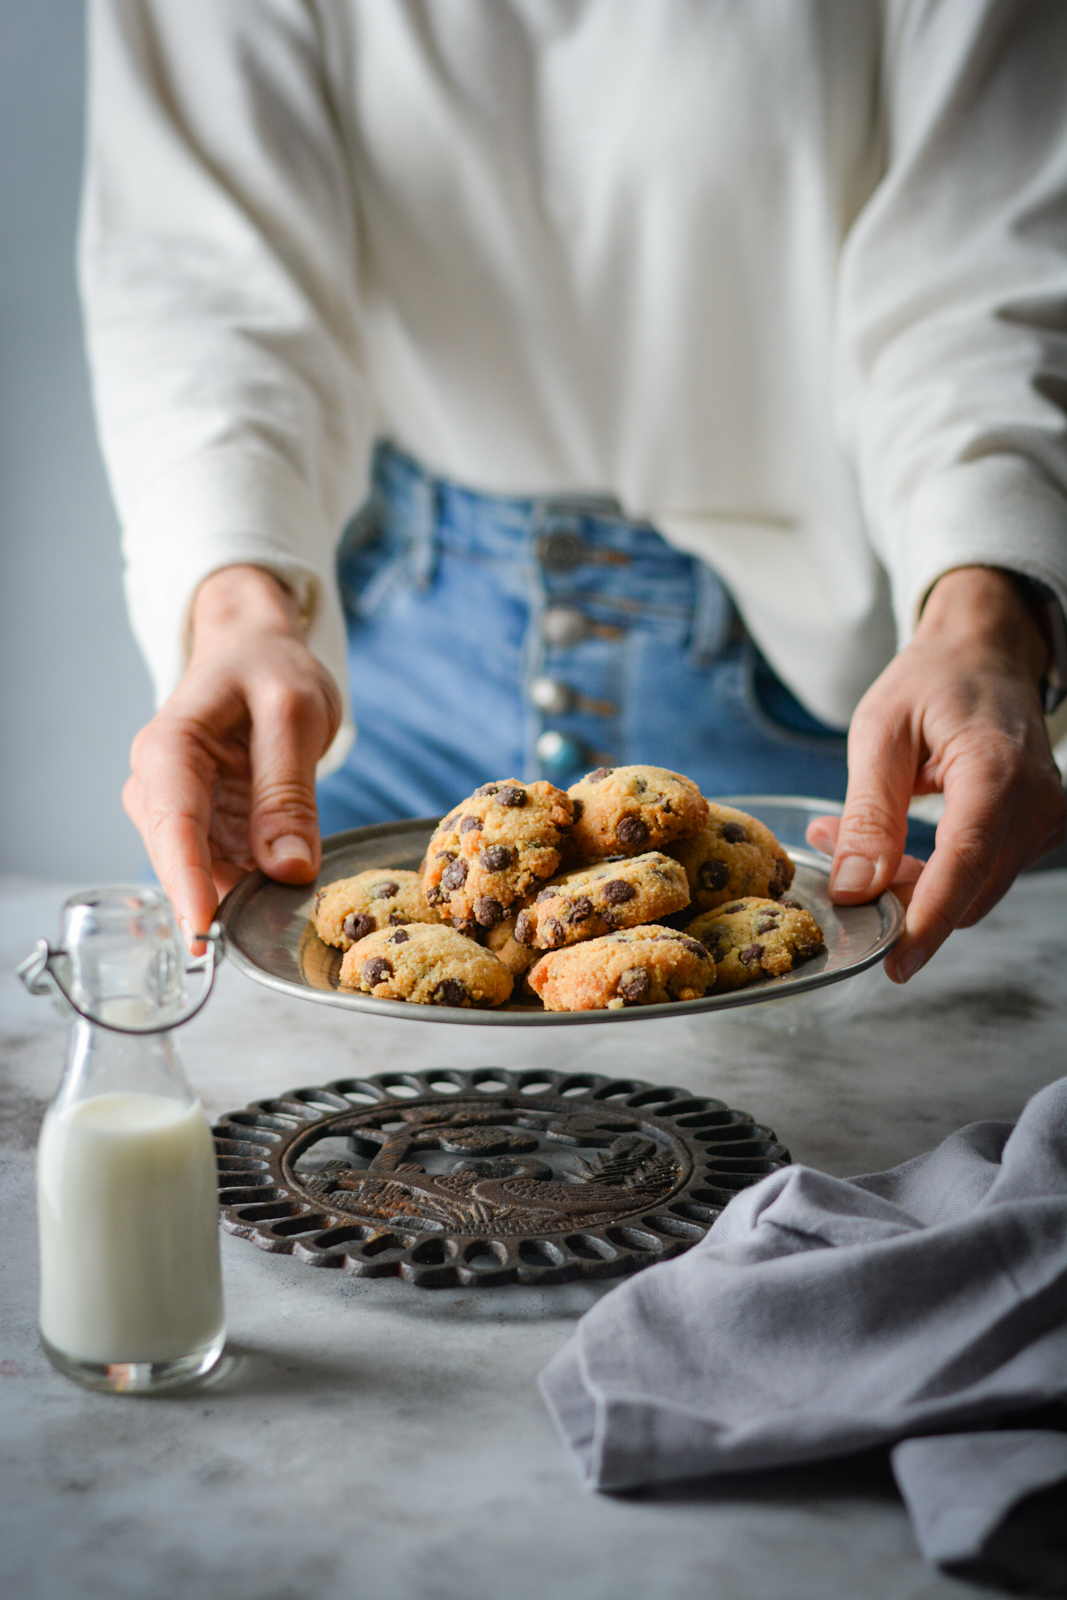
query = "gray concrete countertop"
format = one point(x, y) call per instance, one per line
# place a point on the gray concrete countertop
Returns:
point(367, 1440)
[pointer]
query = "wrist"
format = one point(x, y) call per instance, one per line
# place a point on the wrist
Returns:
point(240, 600)
point(985, 606)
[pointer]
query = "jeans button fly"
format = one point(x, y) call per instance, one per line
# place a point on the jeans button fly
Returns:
point(562, 627)
point(560, 551)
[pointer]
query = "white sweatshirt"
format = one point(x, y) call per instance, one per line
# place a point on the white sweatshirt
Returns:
point(787, 277)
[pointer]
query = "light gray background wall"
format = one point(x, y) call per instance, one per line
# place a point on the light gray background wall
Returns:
point(74, 690)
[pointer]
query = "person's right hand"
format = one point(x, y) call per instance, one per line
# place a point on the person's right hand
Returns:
point(223, 777)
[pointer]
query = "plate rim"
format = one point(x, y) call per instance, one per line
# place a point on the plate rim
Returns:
point(888, 906)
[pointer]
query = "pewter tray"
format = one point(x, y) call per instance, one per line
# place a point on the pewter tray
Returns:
point(485, 1177)
point(270, 939)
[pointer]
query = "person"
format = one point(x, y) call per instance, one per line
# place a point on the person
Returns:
point(715, 360)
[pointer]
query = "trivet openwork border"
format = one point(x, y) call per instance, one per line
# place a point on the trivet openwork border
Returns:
point(485, 1177)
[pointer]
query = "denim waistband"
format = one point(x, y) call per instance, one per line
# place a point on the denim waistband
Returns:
point(569, 548)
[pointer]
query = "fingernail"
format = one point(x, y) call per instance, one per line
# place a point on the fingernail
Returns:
point(187, 932)
point(908, 964)
point(853, 875)
point(290, 847)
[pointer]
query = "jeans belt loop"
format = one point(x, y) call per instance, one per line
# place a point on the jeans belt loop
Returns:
point(426, 513)
point(713, 615)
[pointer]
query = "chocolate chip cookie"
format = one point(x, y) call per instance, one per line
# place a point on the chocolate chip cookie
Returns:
point(627, 810)
point(494, 849)
point(431, 966)
point(634, 967)
point(732, 855)
point(756, 938)
point(348, 910)
point(621, 893)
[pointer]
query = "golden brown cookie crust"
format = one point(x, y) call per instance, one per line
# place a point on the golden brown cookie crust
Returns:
point(350, 909)
point(495, 849)
point(430, 966)
point(502, 942)
point(755, 938)
point(733, 855)
point(600, 897)
point(628, 810)
point(643, 966)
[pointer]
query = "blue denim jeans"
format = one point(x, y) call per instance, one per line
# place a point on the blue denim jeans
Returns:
point(494, 637)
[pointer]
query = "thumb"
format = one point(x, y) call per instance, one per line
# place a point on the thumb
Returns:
point(289, 735)
point(874, 824)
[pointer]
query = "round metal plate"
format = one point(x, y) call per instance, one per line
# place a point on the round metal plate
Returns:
point(270, 938)
point(485, 1177)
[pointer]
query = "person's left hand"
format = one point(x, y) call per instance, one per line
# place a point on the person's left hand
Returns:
point(958, 712)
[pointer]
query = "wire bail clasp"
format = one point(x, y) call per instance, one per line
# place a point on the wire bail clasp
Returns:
point(40, 976)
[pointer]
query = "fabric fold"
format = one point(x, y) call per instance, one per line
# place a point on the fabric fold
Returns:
point(822, 1316)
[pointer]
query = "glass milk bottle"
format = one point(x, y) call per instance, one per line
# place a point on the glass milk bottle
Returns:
point(131, 1292)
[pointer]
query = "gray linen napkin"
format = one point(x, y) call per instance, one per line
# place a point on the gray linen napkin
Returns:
point(822, 1316)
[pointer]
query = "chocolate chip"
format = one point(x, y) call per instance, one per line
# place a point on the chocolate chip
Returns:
point(450, 993)
point(579, 807)
point(448, 823)
point(546, 894)
point(454, 875)
point(470, 823)
point(466, 926)
point(728, 911)
point(695, 948)
point(713, 874)
point(399, 937)
point(511, 796)
point(734, 833)
point(376, 970)
point(357, 927)
point(524, 928)
point(434, 897)
point(552, 933)
point(794, 905)
point(486, 788)
point(598, 774)
point(397, 919)
point(581, 910)
point(634, 984)
point(781, 878)
point(318, 897)
point(495, 859)
point(616, 891)
point(386, 891)
point(444, 855)
point(632, 833)
point(715, 947)
point(768, 925)
point(488, 911)
point(751, 954)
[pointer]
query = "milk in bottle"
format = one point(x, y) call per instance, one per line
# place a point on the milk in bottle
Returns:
point(131, 1293)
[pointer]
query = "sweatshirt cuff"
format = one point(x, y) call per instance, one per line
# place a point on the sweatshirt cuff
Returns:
point(229, 507)
point(997, 511)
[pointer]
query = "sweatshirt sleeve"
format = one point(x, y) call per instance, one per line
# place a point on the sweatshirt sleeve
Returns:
point(952, 354)
point(219, 269)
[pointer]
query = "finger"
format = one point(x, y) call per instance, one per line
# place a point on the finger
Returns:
point(908, 874)
point(968, 848)
point(168, 798)
point(821, 833)
point(882, 763)
point(290, 731)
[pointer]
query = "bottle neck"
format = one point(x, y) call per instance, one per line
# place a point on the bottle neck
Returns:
point(102, 1062)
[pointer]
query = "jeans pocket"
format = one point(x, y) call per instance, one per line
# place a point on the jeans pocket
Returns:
point(373, 562)
point(778, 714)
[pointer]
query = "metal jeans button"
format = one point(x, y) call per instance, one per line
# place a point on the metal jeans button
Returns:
point(558, 753)
point(551, 696)
point(560, 551)
point(563, 627)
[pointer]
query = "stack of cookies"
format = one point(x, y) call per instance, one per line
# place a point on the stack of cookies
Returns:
point(628, 889)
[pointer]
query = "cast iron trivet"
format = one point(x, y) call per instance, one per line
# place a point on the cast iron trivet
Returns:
point(485, 1177)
